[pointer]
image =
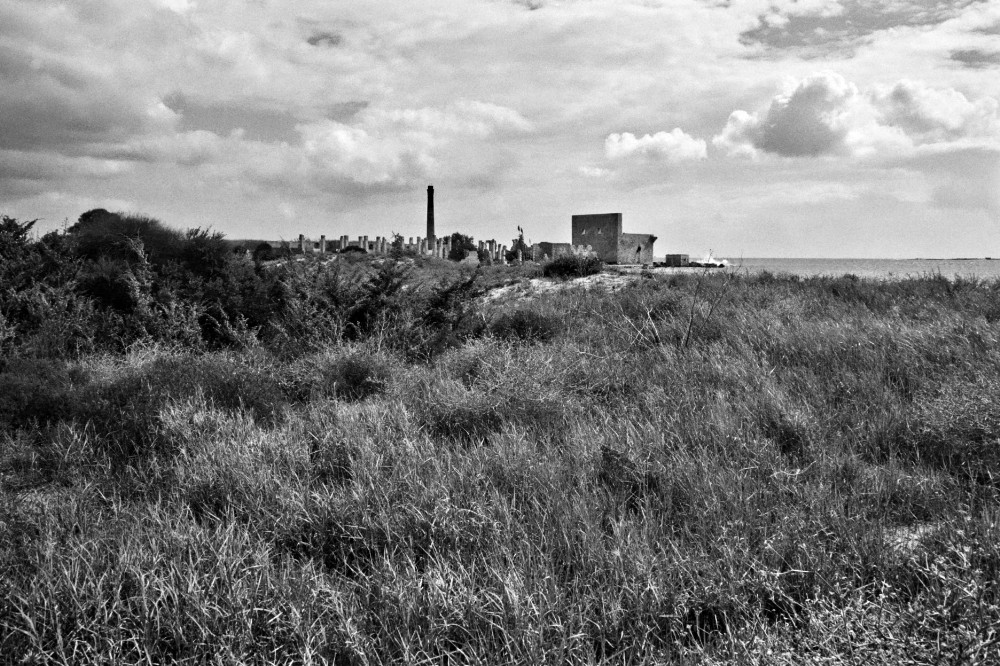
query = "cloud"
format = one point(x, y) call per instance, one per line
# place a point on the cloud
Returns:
point(399, 147)
point(930, 115)
point(975, 58)
point(591, 171)
point(824, 114)
point(325, 38)
point(813, 119)
point(60, 104)
point(965, 178)
point(814, 27)
point(673, 146)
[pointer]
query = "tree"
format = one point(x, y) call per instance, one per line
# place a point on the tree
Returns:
point(518, 244)
point(461, 246)
point(263, 252)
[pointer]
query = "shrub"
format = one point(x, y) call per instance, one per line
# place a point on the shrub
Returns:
point(35, 391)
point(99, 233)
point(452, 412)
point(526, 325)
point(126, 411)
point(263, 252)
point(569, 266)
point(352, 378)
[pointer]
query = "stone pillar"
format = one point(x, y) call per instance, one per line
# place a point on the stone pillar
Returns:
point(302, 243)
point(520, 257)
point(503, 253)
point(322, 244)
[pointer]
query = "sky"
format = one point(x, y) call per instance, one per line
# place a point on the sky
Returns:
point(755, 128)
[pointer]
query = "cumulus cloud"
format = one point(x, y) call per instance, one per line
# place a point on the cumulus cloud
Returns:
point(813, 119)
point(396, 147)
point(673, 146)
point(930, 115)
point(825, 114)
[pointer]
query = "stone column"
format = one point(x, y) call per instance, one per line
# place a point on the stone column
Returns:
point(302, 243)
point(322, 244)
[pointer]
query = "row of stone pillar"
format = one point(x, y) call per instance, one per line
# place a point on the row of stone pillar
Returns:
point(493, 250)
point(436, 247)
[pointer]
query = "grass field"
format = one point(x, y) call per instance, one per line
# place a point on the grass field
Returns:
point(695, 469)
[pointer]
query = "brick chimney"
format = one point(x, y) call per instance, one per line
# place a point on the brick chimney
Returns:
point(430, 214)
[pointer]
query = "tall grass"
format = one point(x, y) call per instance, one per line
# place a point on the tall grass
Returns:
point(804, 474)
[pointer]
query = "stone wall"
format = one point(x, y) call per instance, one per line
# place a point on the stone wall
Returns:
point(601, 232)
point(635, 248)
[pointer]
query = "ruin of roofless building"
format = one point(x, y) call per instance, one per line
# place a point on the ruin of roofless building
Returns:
point(599, 235)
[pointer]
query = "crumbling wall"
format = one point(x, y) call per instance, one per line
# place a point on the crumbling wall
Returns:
point(601, 232)
point(545, 250)
point(635, 248)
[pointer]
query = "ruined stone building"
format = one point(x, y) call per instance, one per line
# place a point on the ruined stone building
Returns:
point(603, 233)
point(592, 235)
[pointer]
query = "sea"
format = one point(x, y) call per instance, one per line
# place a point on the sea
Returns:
point(985, 269)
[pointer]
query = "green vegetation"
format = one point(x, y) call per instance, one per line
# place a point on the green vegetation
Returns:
point(571, 266)
point(207, 459)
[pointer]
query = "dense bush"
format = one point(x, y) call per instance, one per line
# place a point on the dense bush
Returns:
point(572, 265)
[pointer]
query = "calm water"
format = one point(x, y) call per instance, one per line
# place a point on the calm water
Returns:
point(875, 268)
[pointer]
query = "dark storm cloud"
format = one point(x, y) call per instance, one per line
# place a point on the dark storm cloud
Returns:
point(816, 34)
point(976, 59)
point(52, 103)
point(325, 39)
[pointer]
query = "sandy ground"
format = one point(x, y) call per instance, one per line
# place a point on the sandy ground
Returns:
point(607, 281)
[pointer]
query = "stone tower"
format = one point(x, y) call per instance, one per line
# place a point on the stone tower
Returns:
point(430, 214)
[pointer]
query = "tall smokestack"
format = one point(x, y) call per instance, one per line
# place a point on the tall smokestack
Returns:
point(430, 213)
